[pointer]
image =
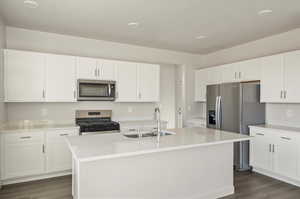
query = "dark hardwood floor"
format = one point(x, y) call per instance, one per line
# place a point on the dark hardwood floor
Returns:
point(248, 186)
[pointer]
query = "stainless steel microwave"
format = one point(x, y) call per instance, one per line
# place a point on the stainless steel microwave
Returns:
point(96, 90)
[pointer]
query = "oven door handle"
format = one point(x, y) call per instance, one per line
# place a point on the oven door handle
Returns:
point(109, 90)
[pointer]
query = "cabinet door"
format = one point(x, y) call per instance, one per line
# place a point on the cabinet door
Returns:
point(291, 77)
point(23, 155)
point(250, 70)
point(260, 150)
point(107, 69)
point(200, 85)
point(58, 155)
point(127, 82)
point(229, 73)
point(148, 82)
point(272, 79)
point(60, 78)
point(214, 75)
point(87, 68)
point(286, 156)
point(24, 76)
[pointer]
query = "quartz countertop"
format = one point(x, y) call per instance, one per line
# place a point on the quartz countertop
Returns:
point(31, 126)
point(277, 127)
point(139, 122)
point(106, 146)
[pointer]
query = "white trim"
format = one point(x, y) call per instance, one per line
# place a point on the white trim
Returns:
point(33, 178)
point(218, 193)
point(277, 176)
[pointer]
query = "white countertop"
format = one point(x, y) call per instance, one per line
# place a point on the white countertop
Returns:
point(32, 126)
point(139, 122)
point(277, 127)
point(106, 146)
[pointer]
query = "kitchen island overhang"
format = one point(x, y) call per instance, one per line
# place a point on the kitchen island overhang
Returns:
point(194, 163)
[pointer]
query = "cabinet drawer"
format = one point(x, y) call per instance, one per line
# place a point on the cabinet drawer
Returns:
point(61, 133)
point(18, 138)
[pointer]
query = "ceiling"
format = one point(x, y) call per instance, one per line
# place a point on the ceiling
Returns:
point(165, 24)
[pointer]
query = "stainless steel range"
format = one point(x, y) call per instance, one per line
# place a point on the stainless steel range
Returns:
point(96, 121)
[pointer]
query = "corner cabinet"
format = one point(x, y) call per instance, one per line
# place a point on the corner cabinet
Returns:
point(24, 76)
point(137, 82)
point(276, 153)
point(34, 154)
point(39, 77)
point(280, 79)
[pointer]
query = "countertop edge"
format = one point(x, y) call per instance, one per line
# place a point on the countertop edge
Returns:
point(153, 150)
point(277, 128)
point(24, 130)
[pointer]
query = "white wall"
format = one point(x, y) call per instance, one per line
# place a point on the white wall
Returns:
point(64, 44)
point(280, 114)
point(56, 43)
point(2, 45)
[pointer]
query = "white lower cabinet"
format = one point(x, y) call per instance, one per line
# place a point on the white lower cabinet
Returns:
point(275, 153)
point(35, 153)
point(22, 154)
point(58, 155)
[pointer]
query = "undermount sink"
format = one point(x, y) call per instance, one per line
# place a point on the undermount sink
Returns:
point(150, 134)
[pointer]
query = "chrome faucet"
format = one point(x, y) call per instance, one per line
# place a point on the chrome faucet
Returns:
point(157, 117)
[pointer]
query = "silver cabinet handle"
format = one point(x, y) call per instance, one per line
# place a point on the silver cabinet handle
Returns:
point(281, 94)
point(260, 134)
point(99, 73)
point(240, 75)
point(285, 138)
point(273, 150)
point(140, 95)
point(284, 94)
point(43, 149)
point(43, 93)
point(63, 134)
point(25, 137)
point(109, 90)
point(270, 150)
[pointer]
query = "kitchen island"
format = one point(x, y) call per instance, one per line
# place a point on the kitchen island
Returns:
point(193, 163)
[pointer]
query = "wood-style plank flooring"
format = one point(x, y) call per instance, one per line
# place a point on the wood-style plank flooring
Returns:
point(248, 186)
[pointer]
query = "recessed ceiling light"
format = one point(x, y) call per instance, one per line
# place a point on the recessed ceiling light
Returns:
point(133, 24)
point(265, 12)
point(200, 37)
point(31, 4)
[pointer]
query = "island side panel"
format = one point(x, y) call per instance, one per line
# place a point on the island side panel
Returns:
point(201, 172)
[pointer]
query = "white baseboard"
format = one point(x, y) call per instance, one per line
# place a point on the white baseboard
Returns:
point(219, 193)
point(33, 178)
point(277, 176)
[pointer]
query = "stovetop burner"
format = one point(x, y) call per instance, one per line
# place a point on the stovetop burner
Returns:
point(96, 121)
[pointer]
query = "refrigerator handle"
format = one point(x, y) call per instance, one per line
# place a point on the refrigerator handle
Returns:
point(220, 112)
point(217, 112)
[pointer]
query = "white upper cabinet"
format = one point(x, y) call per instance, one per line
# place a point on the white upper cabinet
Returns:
point(272, 79)
point(127, 88)
point(229, 73)
point(249, 70)
point(291, 77)
point(148, 82)
point(24, 76)
point(200, 85)
point(214, 75)
point(98, 69)
point(87, 68)
point(107, 69)
point(60, 78)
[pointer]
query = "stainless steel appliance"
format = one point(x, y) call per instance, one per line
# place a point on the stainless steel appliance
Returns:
point(96, 121)
point(96, 90)
point(233, 107)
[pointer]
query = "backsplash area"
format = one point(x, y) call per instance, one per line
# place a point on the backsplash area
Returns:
point(65, 112)
point(283, 114)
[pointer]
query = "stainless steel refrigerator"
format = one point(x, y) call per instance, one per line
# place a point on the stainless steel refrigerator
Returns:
point(233, 107)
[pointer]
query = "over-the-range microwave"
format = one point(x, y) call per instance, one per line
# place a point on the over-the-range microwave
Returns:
point(96, 90)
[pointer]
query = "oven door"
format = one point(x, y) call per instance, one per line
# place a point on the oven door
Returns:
point(96, 90)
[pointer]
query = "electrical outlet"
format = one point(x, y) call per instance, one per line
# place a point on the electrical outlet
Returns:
point(130, 110)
